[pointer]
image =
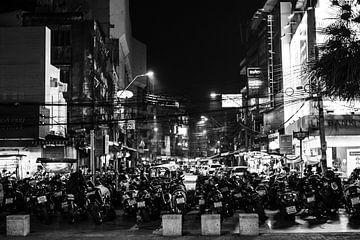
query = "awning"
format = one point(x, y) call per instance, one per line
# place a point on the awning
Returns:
point(114, 148)
point(56, 160)
point(214, 156)
point(129, 148)
point(12, 155)
point(119, 148)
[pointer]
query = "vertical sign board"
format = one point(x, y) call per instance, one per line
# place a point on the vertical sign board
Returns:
point(353, 160)
point(285, 142)
point(256, 83)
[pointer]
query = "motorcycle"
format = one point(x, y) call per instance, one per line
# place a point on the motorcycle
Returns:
point(42, 204)
point(352, 200)
point(99, 202)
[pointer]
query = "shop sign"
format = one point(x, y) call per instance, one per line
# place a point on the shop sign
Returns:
point(127, 125)
point(285, 142)
point(343, 123)
point(353, 160)
point(273, 141)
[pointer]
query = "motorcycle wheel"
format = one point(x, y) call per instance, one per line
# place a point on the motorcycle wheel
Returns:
point(111, 214)
point(45, 216)
point(71, 216)
point(96, 214)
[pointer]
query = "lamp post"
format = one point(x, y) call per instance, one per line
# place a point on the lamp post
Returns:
point(301, 135)
point(124, 91)
point(124, 94)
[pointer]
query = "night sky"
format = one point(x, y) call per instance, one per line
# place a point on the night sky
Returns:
point(194, 46)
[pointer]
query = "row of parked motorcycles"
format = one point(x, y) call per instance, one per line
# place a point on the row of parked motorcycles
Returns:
point(314, 196)
point(75, 197)
point(224, 195)
point(146, 198)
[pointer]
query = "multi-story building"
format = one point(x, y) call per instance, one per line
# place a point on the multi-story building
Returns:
point(261, 67)
point(290, 33)
point(302, 36)
point(29, 85)
point(91, 45)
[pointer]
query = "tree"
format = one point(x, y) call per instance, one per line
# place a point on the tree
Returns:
point(336, 70)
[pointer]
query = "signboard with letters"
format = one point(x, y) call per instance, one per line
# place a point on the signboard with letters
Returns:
point(127, 125)
point(285, 142)
point(256, 83)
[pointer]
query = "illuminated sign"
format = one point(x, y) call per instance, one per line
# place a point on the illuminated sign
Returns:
point(231, 100)
point(254, 72)
point(256, 82)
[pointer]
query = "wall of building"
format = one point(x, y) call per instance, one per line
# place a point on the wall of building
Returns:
point(24, 58)
point(25, 72)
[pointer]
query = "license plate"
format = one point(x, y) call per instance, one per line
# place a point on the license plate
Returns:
point(90, 193)
point(225, 189)
point(358, 190)
point(217, 204)
point(64, 205)
point(41, 199)
point(261, 192)
point(9, 200)
point(355, 201)
point(238, 195)
point(58, 194)
point(70, 197)
point(141, 204)
point(180, 200)
point(291, 210)
point(311, 199)
point(132, 202)
point(201, 202)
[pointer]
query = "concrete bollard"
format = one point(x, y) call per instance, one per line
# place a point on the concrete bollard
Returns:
point(211, 224)
point(249, 224)
point(17, 225)
point(172, 225)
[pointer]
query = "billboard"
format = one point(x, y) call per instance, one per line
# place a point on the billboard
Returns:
point(256, 83)
point(231, 100)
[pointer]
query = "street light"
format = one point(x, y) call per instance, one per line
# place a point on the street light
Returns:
point(128, 94)
point(213, 95)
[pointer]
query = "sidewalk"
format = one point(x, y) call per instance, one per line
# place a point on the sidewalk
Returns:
point(119, 235)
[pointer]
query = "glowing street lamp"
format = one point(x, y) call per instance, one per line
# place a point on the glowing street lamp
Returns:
point(128, 94)
point(213, 95)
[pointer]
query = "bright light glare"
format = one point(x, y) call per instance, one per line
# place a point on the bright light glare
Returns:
point(150, 74)
point(213, 95)
point(204, 118)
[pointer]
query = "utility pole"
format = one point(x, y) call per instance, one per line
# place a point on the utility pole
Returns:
point(92, 153)
point(323, 144)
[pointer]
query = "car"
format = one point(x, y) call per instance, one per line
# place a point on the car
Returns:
point(213, 168)
point(239, 170)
